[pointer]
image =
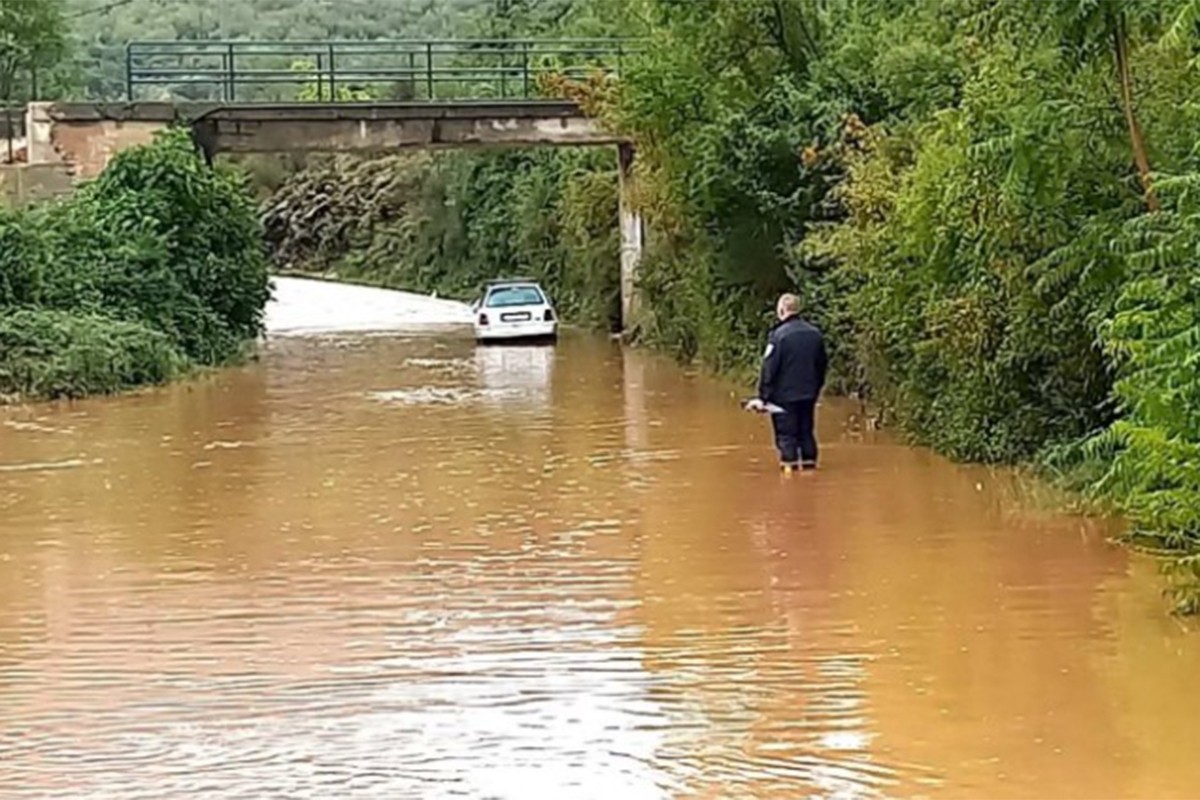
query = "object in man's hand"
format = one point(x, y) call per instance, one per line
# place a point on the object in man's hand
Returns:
point(759, 407)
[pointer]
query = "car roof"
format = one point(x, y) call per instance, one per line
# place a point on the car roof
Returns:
point(513, 282)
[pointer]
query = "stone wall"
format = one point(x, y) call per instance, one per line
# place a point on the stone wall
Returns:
point(21, 184)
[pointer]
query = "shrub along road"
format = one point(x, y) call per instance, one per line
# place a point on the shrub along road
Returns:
point(154, 268)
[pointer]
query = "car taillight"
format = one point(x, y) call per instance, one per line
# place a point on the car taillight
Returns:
point(483, 320)
point(549, 316)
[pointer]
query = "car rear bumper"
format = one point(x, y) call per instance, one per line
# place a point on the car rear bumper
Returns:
point(516, 330)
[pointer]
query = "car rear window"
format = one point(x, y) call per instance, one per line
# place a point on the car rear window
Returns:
point(515, 296)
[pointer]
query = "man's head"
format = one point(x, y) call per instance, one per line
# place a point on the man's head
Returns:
point(788, 306)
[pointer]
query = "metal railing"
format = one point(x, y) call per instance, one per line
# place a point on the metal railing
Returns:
point(14, 116)
point(348, 71)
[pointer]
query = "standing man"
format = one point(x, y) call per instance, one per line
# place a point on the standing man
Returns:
point(793, 375)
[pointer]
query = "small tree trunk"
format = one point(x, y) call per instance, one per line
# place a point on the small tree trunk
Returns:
point(6, 101)
point(1136, 139)
point(8, 122)
point(8, 79)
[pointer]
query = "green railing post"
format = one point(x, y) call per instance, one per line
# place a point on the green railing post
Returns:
point(525, 68)
point(321, 78)
point(332, 77)
point(470, 66)
point(503, 75)
point(429, 68)
point(231, 75)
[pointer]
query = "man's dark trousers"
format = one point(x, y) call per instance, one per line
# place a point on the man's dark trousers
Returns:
point(795, 433)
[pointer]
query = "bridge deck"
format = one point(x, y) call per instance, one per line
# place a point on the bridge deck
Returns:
point(327, 127)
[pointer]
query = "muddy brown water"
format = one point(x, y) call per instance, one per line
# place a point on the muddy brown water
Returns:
point(389, 567)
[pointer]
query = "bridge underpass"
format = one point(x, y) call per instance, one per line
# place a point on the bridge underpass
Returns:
point(460, 94)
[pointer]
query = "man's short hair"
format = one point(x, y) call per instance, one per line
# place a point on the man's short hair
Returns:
point(789, 303)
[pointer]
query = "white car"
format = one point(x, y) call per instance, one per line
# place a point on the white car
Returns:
point(514, 309)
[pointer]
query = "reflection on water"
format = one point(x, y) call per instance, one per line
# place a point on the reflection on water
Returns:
point(387, 568)
point(519, 374)
point(512, 376)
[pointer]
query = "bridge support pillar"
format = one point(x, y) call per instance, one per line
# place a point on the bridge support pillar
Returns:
point(632, 240)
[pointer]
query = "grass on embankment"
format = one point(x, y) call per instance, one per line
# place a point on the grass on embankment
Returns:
point(155, 268)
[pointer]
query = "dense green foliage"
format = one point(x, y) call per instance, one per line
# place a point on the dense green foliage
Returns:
point(1150, 457)
point(155, 265)
point(32, 37)
point(45, 353)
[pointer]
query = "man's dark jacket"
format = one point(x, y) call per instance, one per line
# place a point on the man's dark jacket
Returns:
point(794, 366)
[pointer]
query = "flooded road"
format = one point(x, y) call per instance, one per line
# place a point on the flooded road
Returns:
point(393, 567)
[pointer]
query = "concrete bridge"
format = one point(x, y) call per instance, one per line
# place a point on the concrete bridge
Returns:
point(482, 93)
point(87, 135)
point(84, 137)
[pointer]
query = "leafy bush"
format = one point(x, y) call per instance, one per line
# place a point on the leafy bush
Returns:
point(967, 320)
point(196, 231)
point(53, 354)
point(1151, 456)
point(159, 241)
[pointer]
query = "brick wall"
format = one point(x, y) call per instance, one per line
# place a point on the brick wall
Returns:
point(89, 147)
point(86, 144)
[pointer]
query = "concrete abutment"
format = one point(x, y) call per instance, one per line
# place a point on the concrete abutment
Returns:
point(632, 238)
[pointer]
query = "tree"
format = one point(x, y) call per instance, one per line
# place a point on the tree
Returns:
point(32, 37)
point(1096, 25)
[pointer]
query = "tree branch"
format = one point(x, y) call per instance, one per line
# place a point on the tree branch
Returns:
point(1136, 138)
